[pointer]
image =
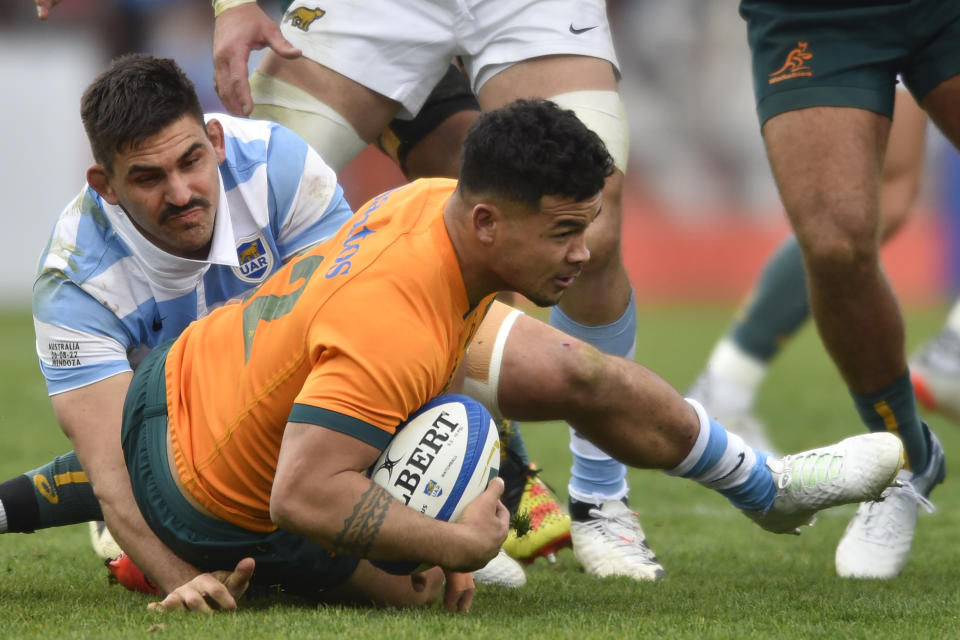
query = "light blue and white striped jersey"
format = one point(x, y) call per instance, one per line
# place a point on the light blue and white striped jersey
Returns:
point(104, 295)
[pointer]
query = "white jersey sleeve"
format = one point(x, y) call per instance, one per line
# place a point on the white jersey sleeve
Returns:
point(85, 352)
point(80, 338)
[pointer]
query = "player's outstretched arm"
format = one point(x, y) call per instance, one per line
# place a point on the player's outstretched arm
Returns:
point(238, 30)
point(91, 417)
point(321, 493)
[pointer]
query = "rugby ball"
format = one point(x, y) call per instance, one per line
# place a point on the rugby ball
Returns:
point(441, 458)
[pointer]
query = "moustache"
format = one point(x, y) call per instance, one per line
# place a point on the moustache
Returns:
point(170, 210)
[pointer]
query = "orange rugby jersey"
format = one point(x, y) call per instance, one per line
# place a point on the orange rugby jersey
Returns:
point(354, 335)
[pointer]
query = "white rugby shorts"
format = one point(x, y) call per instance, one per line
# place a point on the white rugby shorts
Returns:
point(401, 48)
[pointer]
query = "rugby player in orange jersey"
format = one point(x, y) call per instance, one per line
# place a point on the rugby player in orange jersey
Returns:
point(247, 439)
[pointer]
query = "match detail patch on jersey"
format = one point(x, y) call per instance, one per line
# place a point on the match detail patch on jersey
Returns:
point(256, 260)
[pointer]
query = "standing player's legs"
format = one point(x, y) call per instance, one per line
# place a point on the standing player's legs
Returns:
point(598, 308)
point(877, 542)
point(777, 306)
point(362, 64)
point(824, 80)
point(826, 161)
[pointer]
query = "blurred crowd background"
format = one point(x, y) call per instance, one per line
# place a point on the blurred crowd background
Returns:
point(701, 209)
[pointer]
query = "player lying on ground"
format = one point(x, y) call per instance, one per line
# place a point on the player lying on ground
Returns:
point(334, 351)
point(124, 272)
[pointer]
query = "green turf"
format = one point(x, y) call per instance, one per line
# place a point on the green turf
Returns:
point(726, 577)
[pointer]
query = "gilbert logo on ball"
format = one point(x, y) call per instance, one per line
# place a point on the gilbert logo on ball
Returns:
point(441, 458)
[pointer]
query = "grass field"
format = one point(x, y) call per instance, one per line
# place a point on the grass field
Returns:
point(726, 577)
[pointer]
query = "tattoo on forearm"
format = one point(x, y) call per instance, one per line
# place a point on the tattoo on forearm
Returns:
point(363, 525)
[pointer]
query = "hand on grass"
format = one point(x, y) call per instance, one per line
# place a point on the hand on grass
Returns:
point(458, 591)
point(209, 592)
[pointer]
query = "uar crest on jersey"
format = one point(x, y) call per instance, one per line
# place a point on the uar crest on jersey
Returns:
point(255, 258)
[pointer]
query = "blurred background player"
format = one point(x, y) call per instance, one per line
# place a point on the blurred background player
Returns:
point(935, 369)
point(387, 63)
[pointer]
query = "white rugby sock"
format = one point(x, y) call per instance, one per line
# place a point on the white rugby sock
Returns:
point(735, 377)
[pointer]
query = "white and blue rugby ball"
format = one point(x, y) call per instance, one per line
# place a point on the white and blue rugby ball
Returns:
point(441, 458)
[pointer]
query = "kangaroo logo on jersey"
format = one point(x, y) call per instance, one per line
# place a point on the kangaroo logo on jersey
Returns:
point(256, 261)
point(302, 17)
point(795, 66)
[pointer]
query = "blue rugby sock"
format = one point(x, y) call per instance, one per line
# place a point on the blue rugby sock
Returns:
point(595, 476)
point(722, 461)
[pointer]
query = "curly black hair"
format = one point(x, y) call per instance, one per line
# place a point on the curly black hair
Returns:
point(136, 97)
point(532, 148)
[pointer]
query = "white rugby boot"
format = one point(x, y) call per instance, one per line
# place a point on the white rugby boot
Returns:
point(502, 571)
point(877, 541)
point(853, 470)
point(609, 541)
point(102, 541)
point(935, 372)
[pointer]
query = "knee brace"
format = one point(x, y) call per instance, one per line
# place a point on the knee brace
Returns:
point(604, 114)
point(324, 129)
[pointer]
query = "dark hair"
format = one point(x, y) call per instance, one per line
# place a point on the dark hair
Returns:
point(532, 148)
point(135, 98)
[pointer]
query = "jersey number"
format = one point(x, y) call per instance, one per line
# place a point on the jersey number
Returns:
point(271, 307)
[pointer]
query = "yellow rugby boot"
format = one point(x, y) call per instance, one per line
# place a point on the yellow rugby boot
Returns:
point(549, 524)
